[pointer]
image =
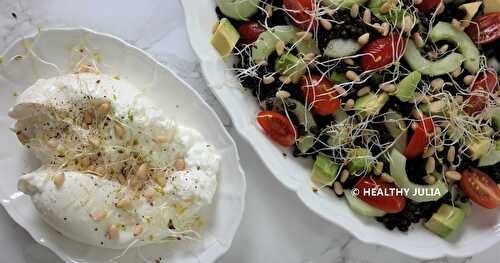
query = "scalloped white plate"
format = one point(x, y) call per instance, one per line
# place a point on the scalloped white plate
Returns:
point(20, 69)
point(481, 229)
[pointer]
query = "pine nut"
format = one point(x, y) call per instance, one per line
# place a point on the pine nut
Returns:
point(98, 215)
point(430, 165)
point(468, 79)
point(363, 91)
point(363, 39)
point(367, 16)
point(309, 57)
point(443, 48)
point(385, 29)
point(344, 175)
point(456, 72)
point(124, 203)
point(104, 109)
point(180, 164)
point(453, 175)
point(119, 130)
point(161, 139)
point(269, 10)
point(429, 179)
point(417, 2)
point(407, 24)
point(387, 178)
point(304, 35)
point(437, 106)
point(379, 167)
point(386, 7)
point(279, 47)
point(437, 84)
point(354, 10)
point(459, 99)
point(138, 229)
point(326, 24)
point(419, 41)
point(352, 76)
point(285, 79)
point(389, 88)
point(450, 156)
point(457, 25)
point(349, 104)
point(337, 187)
point(59, 180)
point(113, 232)
point(268, 80)
point(142, 171)
point(283, 94)
point(349, 61)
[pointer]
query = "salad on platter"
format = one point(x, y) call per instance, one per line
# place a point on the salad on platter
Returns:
point(394, 100)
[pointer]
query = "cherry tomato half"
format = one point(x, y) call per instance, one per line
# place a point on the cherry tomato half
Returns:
point(486, 83)
point(390, 203)
point(480, 188)
point(278, 127)
point(419, 141)
point(485, 29)
point(319, 92)
point(382, 51)
point(250, 31)
point(302, 13)
point(427, 5)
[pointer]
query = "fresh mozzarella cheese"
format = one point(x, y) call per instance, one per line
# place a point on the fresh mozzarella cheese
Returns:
point(115, 172)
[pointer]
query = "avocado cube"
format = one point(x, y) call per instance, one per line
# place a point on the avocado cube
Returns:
point(446, 220)
point(225, 37)
point(479, 148)
point(360, 160)
point(291, 66)
point(324, 170)
point(371, 103)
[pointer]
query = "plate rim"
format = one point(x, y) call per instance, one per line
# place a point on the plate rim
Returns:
point(293, 185)
point(18, 219)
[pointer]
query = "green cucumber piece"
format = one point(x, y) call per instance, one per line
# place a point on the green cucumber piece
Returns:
point(407, 86)
point(445, 31)
point(401, 136)
point(339, 47)
point(291, 66)
point(266, 43)
point(417, 62)
point(360, 207)
point(324, 170)
point(398, 172)
point(361, 160)
point(371, 103)
point(342, 3)
point(305, 118)
point(238, 9)
point(446, 220)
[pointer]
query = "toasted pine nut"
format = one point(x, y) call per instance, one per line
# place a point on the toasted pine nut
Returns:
point(98, 215)
point(59, 180)
point(459, 99)
point(389, 88)
point(379, 166)
point(268, 80)
point(180, 164)
point(417, 2)
point(437, 106)
point(344, 175)
point(453, 175)
point(285, 79)
point(304, 35)
point(138, 229)
point(437, 84)
point(326, 24)
point(352, 76)
point(450, 156)
point(468, 79)
point(124, 203)
point(419, 41)
point(337, 187)
point(387, 178)
point(429, 179)
point(354, 10)
point(363, 91)
point(367, 16)
point(349, 104)
point(283, 94)
point(119, 130)
point(279, 47)
point(104, 109)
point(385, 28)
point(269, 10)
point(407, 24)
point(363, 39)
point(142, 171)
point(386, 7)
point(443, 48)
point(349, 61)
point(430, 165)
point(456, 72)
point(113, 232)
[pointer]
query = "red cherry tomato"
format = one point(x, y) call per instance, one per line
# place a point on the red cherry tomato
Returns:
point(278, 127)
point(419, 141)
point(382, 51)
point(427, 5)
point(389, 201)
point(319, 92)
point(485, 29)
point(250, 31)
point(486, 83)
point(480, 188)
point(302, 13)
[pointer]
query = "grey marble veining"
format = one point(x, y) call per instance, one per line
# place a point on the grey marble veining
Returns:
point(276, 226)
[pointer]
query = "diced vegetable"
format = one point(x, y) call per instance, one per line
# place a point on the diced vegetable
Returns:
point(360, 207)
point(407, 86)
point(446, 220)
point(225, 37)
point(417, 62)
point(324, 170)
point(238, 9)
point(339, 47)
point(291, 66)
point(361, 160)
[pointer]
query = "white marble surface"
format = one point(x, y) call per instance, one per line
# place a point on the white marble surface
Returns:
point(276, 226)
